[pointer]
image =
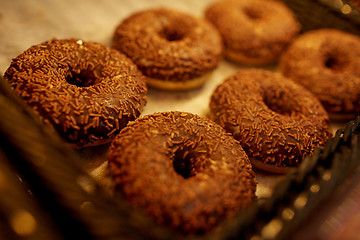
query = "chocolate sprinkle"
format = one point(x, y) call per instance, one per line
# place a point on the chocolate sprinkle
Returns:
point(85, 90)
point(276, 121)
point(184, 171)
point(169, 45)
point(326, 62)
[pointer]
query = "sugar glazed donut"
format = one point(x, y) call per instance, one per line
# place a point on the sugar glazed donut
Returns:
point(326, 61)
point(276, 121)
point(174, 50)
point(254, 32)
point(85, 90)
point(184, 171)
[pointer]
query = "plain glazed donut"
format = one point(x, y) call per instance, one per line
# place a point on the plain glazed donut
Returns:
point(85, 90)
point(175, 51)
point(326, 62)
point(276, 121)
point(254, 32)
point(184, 171)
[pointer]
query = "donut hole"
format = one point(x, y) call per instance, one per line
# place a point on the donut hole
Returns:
point(185, 162)
point(172, 34)
point(82, 78)
point(335, 62)
point(252, 13)
point(280, 104)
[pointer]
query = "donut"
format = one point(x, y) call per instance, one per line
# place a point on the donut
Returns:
point(276, 121)
point(183, 170)
point(85, 90)
point(174, 50)
point(254, 32)
point(326, 62)
point(355, 3)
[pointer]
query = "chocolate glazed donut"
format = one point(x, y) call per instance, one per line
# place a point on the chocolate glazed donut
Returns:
point(254, 32)
point(276, 121)
point(85, 90)
point(184, 171)
point(326, 62)
point(174, 50)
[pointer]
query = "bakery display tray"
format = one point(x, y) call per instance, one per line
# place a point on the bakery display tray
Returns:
point(71, 191)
